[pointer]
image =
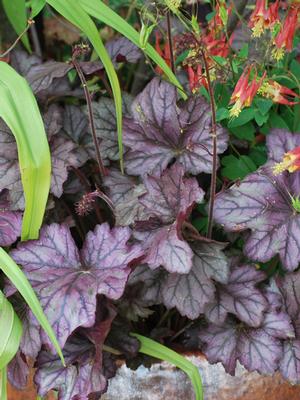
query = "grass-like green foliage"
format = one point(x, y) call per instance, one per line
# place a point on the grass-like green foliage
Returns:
point(157, 350)
point(19, 280)
point(16, 13)
point(19, 109)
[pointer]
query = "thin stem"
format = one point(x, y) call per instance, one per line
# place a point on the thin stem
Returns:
point(170, 42)
point(213, 182)
point(30, 22)
point(35, 41)
point(90, 114)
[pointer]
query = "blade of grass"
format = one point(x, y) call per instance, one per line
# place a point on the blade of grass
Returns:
point(16, 14)
point(3, 384)
point(99, 10)
point(157, 350)
point(19, 280)
point(19, 109)
point(10, 332)
point(76, 15)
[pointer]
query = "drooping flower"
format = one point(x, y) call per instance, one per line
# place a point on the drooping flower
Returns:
point(290, 162)
point(277, 93)
point(263, 17)
point(196, 78)
point(244, 92)
point(284, 40)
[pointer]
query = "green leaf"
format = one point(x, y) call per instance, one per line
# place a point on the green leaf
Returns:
point(263, 105)
point(76, 15)
point(244, 132)
point(19, 280)
point(157, 350)
point(10, 332)
point(243, 53)
point(219, 60)
point(276, 121)
point(36, 7)
point(245, 116)
point(3, 384)
point(295, 68)
point(19, 109)
point(260, 118)
point(258, 155)
point(221, 114)
point(237, 168)
point(101, 11)
point(16, 13)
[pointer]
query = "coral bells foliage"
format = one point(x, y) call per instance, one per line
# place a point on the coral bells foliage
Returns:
point(143, 249)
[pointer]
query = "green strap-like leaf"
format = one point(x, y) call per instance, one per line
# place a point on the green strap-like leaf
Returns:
point(101, 11)
point(3, 384)
point(157, 350)
point(73, 11)
point(19, 280)
point(36, 7)
point(19, 109)
point(10, 332)
point(16, 13)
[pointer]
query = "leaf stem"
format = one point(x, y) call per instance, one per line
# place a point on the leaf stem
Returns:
point(213, 182)
point(169, 30)
point(90, 114)
point(29, 23)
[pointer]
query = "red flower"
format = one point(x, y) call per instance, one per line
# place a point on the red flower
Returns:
point(263, 18)
point(196, 78)
point(290, 162)
point(285, 37)
point(165, 53)
point(277, 93)
point(244, 92)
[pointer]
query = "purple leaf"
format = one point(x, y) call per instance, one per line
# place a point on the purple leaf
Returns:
point(161, 131)
point(254, 348)
point(18, 371)
point(279, 142)
point(10, 222)
point(240, 297)
point(262, 203)
point(67, 281)
point(84, 374)
point(41, 76)
point(191, 292)
point(221, 345)
point(53, 120)
point(150, 283)
point(106, 125)
point(22, 62)
point(168, 201)
point(123, 50)
point(290, 363)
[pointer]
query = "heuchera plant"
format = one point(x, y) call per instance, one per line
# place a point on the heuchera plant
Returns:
point(197, 243)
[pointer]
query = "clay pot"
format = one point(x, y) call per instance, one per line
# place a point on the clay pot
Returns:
point(163, 382)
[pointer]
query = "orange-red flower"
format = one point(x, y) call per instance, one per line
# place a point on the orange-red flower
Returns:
point(165, 53)
point(278, 93)
point(284, 39)
point(290, 162)
point(196, 78)
point(263, 18)
point(244, 92)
